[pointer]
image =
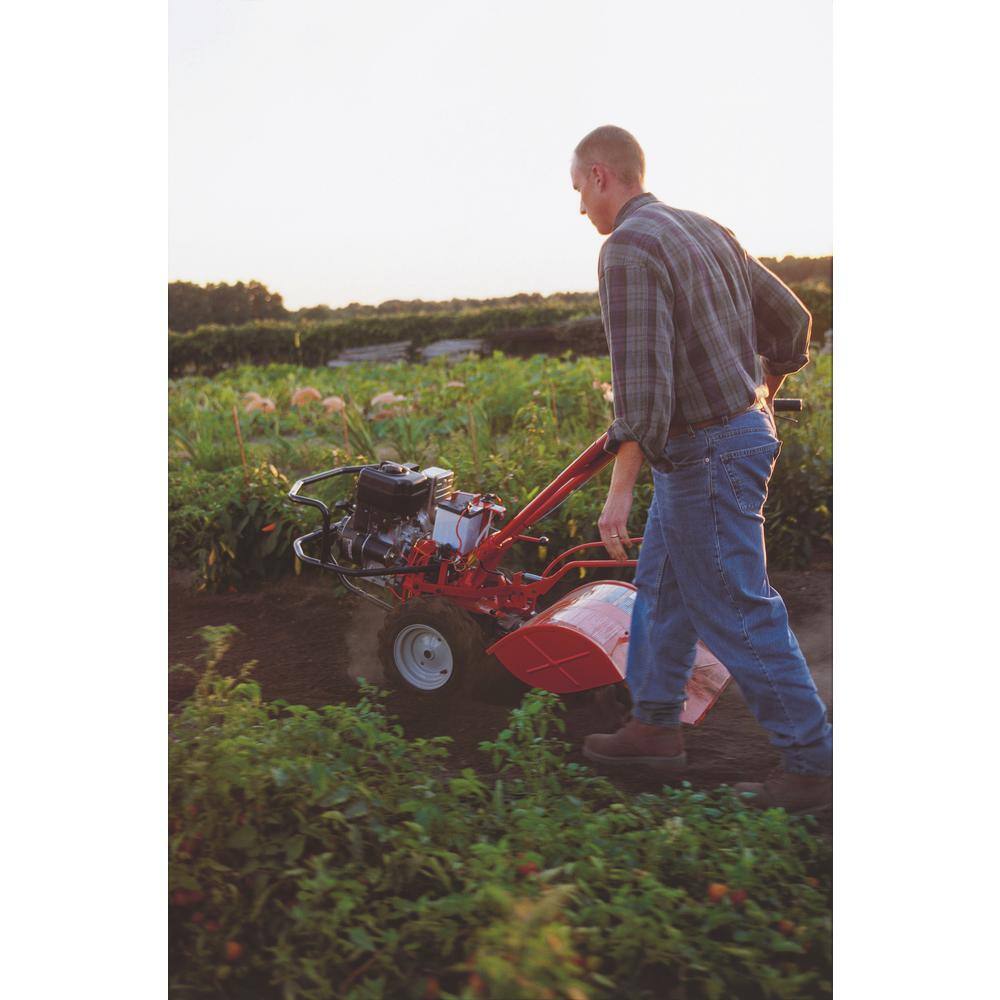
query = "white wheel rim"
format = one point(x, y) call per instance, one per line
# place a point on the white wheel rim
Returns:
point(423, 657)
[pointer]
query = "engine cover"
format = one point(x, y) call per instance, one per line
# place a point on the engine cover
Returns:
point(393, 489)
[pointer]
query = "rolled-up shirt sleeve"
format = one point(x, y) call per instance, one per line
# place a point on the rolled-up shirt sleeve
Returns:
point(783, 324)
point(640, 332)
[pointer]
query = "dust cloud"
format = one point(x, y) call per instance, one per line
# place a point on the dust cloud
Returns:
point(362, 630)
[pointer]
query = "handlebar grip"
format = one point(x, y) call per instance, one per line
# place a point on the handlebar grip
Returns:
point(788, 405)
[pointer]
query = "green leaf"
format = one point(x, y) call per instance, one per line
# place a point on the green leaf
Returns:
point(183, 880)
point(293, 850)
point(270, 543)
point(242, 838)
point(361, 938)
point(335, 797)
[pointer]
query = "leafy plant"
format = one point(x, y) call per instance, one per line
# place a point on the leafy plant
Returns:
point(318, 853)
point(235, 527)
point(508, 425)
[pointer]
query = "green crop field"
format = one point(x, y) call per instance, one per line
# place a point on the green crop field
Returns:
point(505, 425)
point(319, 852)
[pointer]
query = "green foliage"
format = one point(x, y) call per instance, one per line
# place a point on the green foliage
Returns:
point(319, 853)
point(526, 749)
point(817, 299)
point(209, 443)
point(510, 427)
point(390, 307)
point(270, 335)
point(792, 270)
point(236, 528)
point(212, 347)
point(799, 508)
point(190, 305)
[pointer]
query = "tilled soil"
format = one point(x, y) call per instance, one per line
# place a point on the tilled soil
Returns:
point(310, 646)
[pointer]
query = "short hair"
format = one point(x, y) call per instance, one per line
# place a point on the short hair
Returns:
point(615, 148)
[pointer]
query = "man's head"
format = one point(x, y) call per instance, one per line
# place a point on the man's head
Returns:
point(608, 169)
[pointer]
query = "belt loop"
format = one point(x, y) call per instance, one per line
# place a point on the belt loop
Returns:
point(690, 430)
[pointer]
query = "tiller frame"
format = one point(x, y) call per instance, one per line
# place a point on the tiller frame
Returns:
point(475, 581)
point(578, 643)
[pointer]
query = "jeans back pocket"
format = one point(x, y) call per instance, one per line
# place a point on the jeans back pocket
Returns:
point(748, 471)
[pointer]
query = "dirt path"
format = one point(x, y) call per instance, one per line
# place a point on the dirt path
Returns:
point(311, 646)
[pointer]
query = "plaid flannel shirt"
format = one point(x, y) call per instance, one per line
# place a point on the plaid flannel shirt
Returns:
point(693, 322)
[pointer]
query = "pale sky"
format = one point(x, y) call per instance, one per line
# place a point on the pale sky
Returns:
point(346, 152)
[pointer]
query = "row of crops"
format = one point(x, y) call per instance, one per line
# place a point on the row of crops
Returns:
point(506, 425)
point(319, 853)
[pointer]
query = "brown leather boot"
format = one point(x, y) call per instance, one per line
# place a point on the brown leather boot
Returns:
point(795, 793)
point(659, 747)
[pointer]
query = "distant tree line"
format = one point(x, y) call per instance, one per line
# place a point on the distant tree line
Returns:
point(416, 307)
point(801, 269)
point(190, 306)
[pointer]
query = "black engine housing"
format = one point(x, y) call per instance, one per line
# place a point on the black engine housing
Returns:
point(393, 489)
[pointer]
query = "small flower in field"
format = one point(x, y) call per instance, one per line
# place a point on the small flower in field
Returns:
point(384, 406)
point(306, 394)
point(386, 399)
point(605, 388)
point(536, 392)
point(268, 527)
point(262, 403)
point(251, 395)
point(454, 384)
point(333, 404)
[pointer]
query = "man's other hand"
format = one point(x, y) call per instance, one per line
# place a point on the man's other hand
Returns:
point(773, 383)
point(613, 523)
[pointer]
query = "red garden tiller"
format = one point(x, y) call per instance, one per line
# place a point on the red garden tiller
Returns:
point(453, 610)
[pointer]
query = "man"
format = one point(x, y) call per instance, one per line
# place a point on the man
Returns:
point(701, 337)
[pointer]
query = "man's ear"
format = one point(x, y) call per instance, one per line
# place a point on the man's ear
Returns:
point(602, 175)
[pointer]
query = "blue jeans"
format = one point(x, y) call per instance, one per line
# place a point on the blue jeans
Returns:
point(702, 573)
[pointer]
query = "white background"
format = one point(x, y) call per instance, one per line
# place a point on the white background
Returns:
point(85, 269)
